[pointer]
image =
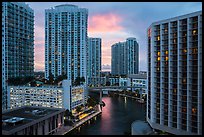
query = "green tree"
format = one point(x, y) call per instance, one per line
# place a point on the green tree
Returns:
point(51, 78)
point(33, 83)
point(137, 91)
point(78, 109)
point(67, 113)
point(60, 78)
point(79, 81)
point(91, 101)
point(82, 80)
point(108, 83)
point(19, 80)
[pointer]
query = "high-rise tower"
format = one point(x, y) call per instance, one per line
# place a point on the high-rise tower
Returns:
point(94, 57)
point(17, 44)
point(65, 41)
point(174, 102)
point(125, 57)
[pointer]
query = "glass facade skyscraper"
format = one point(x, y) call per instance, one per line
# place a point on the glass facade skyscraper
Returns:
point(17, 43)
point(94, 57)
point(125, 57)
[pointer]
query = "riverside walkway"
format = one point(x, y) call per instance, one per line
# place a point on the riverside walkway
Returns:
point(64, 130)
point(137, 99)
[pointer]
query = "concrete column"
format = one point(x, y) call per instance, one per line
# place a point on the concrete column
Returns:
point(101, 92)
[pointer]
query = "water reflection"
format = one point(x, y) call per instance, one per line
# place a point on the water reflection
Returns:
point(116, 117)
point(106, 116)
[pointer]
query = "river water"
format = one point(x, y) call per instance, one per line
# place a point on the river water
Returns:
point(116, 118)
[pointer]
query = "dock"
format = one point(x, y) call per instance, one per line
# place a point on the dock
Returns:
point(64, 130)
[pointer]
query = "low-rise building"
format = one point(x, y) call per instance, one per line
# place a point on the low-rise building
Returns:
point(64, 96)
point(114, 81)
point(124, 81)
point(96, 81)
point(139, 81)
point(30, 120)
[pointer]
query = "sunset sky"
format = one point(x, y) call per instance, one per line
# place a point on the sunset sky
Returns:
point(113, 22)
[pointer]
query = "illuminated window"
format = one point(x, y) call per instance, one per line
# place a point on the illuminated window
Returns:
point(194, 32)
point(158, 58)
point(184, 80)
point(184, 50)
point(174, 40)
point(167, 58)
point(194, 110)
point(158, 38)
point(174, 90)
point(165, 30)
point(158, 68)
point(166, 52)
point(158, 53)
point(195, 50)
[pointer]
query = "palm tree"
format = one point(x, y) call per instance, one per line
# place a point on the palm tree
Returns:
point(51, 78)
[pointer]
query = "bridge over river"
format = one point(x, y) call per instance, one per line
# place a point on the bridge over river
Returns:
point(108, 89)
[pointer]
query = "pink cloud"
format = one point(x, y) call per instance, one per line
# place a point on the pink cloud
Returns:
point(106, 48)
point(39, 42)
point(104, 23)
point(39, 67)
point(100, 25)
point(39, 52)
point(39, 35)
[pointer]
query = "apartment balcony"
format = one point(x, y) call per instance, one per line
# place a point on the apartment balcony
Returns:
point(183, 42)
point(183, 30)
point(193, 22)
point(183, 23)
point(174, 28)
point(157, 30)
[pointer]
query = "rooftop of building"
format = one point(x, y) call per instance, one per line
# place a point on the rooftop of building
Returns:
point(141, 128)
point(15, 119)
point(41, 86)
point(66, 5)
point(138, 76)
point(175, 18)
point(131, 38)
point(23, 4)
point(94, 38)
point(66, 8)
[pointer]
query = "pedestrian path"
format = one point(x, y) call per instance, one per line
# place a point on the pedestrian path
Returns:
point(66, 129)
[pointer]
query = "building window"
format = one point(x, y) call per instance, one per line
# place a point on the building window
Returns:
point(194, 110)
point(194, 32)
